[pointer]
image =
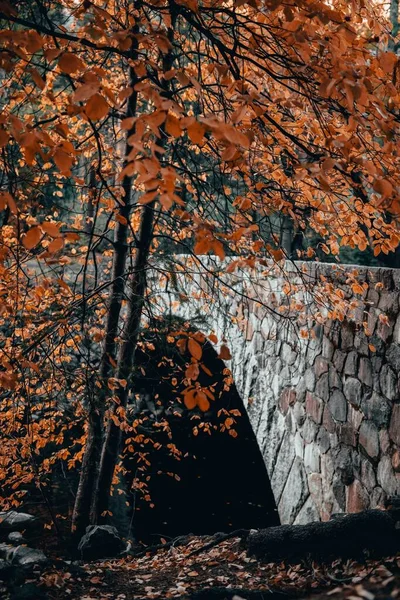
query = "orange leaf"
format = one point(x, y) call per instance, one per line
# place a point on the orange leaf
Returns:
point(32, 238)
point(63, 161)
point(55, 245)
point(195, 349)
point(172, 126)
point(189, 399)
point(96, 108)
point(196, 132)
point(69, 63)
point(51, 228)
point(224, 353)
point(4, 137)
point(202, 401)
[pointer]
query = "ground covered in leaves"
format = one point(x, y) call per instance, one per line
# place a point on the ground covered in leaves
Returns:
point(223, 571)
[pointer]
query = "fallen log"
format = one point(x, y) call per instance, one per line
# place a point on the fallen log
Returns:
point(371, 533)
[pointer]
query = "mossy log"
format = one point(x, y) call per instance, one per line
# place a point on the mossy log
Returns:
point(371, 533)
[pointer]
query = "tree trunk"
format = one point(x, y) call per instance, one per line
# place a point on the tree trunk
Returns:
point(95, 436)
point(126, 355)
point(394, 20)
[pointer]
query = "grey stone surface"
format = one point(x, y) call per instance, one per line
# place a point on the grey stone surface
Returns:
point(294, 493)
point(365, 371)
point(307, 514)
point(369, 438)
point(377, 409)
point(15, 521)
point(351, 364)
point(353, 390)
point(388, 383)
point(338, 406)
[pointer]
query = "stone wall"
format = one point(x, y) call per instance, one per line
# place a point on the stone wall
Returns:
point(322, 396)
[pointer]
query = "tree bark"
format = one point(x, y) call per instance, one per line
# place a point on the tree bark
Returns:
point(95, 435)
point(126, 355)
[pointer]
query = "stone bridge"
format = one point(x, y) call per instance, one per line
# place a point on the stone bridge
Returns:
point(322, 393)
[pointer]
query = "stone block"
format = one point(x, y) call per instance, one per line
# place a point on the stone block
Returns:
point(283, 464)
point(294, 494)
point(361, 343)
point(315, 487)
point(376, 408)
point(321, 366)
point(323, 440)
point(288, 354)
point(328, 348)
point(314, 407)
point(357, 497)
point(353, 390)
point(351, 364)
point(299, 445)
point(322, 387)
point(384, 441)
point(309, 431)
point(378, 498)
point(386, 476)
point(396, 461)
point(394, 429)
point(355, 417)
point(369, 438)
point(339, 359)
point(335, 381)
point(344, 465)
point(388, 383)
point(365, 371)
point(346, 336)
point(307, 514)
point(327, 420)
point(338, 406)
point(287, 398)
point(347, 434)
point(311, 458)
point(368, 476)
point(310, 380)
point(339, 492)
point(393, 356)
point(299, 413)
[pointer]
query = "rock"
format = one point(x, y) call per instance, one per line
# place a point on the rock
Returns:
point(327, 421)
point(23, 556)
point(365, 371)
point(320, 366)
point(344, 466)
point(357, 497)
point(323, 440)
point(307, 514)
point(386, 476)
point(100, 541)
point(347, 434)
point(294, 493)
point(339, 359)
point(394, 429)
point(376, 409)
point(16, 538)
point(309, 431)
point(338, 406)
point(334, 379)
point(15, 521)
point(314, 407)
point(322, 387)
point(353, 391)
point(299, 413)
point(388, 382)
point(369, 438)
point(393, 356)
point(368, 475)
point(309, 380)
point(311, 458)
point(350, 367)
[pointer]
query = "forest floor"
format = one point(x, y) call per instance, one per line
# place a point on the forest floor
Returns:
point(222, 572)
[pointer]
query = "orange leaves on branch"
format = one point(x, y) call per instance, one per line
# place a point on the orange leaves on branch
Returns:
point(195, 349)
point(172, 126)
point(387, 61)
point(52, 229)
point(97, 107)
point(32, 238)
point(193, 397)
point(7, 200)
point(70, 63)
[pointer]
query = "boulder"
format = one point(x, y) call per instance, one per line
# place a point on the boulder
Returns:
point(16, 538)
point(15, 521)
point(100, 541)
point(22, 556)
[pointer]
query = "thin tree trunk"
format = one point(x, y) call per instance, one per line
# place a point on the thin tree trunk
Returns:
point(394, 20)
point(95, 435)
point(126, 355)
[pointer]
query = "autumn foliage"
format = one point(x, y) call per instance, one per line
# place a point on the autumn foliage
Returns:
point(134, 132)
